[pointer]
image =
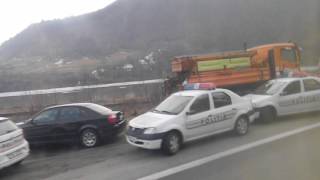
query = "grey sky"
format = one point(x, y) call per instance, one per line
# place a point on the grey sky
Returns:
point(16, 15)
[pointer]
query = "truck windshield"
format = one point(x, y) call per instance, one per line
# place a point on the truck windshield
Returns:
point(269, 87)
point(6, 127)
point(173, 104)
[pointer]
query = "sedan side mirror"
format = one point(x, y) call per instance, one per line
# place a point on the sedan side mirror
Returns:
point(190, 112)
point(32, 121)
point(284, 93)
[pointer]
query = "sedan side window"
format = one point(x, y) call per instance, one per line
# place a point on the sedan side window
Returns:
point(46, 116)
point(69, 114)
point(88, 113)
point(201, 104)
point(292, 88)
point(311, 85)
point(221, 99)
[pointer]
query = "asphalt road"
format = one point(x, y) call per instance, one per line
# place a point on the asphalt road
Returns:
point(294, 157)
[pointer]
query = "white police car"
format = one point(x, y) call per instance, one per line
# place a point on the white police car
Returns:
point(286, 96)
point(190, 115)
point(13, 147)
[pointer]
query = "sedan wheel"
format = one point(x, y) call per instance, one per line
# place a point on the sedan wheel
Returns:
point(89, 138)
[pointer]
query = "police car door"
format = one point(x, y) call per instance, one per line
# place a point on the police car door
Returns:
point(311, 94)
point(197, 115)
point(290, 99)
point(224, 113)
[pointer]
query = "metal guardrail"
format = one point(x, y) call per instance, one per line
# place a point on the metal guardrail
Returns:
point(125, 96)
point(78, 88)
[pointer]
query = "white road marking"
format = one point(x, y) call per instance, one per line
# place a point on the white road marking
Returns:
point(226, 153)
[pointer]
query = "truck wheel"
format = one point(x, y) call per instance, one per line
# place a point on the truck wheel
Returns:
point(242, 126)
point(267, 114)
point(171, 143)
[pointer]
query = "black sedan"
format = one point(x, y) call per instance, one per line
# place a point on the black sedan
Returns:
point(86, 123)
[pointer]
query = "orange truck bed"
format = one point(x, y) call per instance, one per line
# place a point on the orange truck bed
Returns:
point(222, 69)
point(231, 77)
point(236, 67)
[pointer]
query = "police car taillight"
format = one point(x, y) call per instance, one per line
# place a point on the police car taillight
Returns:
point(199, 86)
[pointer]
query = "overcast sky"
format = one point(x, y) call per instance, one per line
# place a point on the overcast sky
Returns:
point(16, 15)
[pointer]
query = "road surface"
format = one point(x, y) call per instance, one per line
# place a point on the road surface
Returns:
point(293, 157)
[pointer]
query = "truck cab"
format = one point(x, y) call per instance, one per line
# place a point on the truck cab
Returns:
point(281, 58)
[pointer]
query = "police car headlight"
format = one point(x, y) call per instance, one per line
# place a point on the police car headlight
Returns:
point(149, 131)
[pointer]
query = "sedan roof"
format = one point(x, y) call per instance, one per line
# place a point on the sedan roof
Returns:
point(197, 92)
point(285, 80)
point(96, 107)
point(191, 92)
point(290, 79)
point(74, 104)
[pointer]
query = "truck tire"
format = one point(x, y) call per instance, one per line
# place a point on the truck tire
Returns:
point(268, 114)
point(171, 143)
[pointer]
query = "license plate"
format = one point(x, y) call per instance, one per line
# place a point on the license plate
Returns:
point(15, 154)
point(132, 139)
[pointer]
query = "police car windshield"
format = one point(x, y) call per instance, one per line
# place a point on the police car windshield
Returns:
point(269, 87)
point(173, 104)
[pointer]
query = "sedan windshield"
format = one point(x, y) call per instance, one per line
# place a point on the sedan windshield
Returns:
point(173, 104)
point(269, 87)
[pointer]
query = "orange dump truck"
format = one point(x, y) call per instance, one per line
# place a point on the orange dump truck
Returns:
point(238, 68)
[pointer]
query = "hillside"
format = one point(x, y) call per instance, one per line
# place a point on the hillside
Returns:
point(174, 27)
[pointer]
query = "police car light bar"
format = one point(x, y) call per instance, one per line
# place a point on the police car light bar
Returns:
point(199, 86)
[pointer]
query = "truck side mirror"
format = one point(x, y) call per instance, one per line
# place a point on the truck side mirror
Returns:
point(300, 49)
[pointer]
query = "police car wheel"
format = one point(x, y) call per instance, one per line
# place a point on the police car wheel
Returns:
point(241, 126)
point(171, 143)
point(267, 114)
